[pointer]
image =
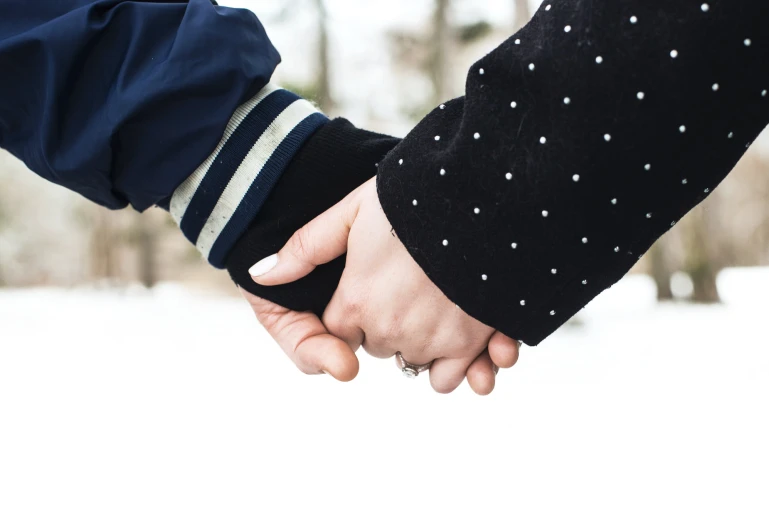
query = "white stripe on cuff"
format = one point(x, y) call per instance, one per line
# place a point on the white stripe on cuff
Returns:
point(249, 170)
point(184, 193)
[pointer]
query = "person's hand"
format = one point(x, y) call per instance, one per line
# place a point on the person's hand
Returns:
point(384, 301)
point(305, 340)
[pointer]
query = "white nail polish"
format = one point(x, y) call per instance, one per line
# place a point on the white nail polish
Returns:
point(263, 266)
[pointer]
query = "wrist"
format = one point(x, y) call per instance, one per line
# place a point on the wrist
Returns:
point(336, 160)
point(218, 202)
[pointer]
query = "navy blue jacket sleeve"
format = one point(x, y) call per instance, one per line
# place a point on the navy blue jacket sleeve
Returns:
point(124, 101)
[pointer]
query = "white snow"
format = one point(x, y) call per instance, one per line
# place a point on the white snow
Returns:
point(167, 410)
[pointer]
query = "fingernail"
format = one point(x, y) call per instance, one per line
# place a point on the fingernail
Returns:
point(263, 266)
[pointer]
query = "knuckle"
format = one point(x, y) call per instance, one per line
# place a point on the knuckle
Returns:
point(300, 243)
point(352, 302)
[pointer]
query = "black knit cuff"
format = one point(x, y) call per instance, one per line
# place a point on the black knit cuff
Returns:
point(336, 160)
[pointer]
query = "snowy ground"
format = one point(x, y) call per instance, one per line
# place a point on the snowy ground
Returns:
point(169, 411)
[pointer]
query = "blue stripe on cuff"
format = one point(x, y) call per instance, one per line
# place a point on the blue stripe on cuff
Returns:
point(262, 186)
point(230, 158)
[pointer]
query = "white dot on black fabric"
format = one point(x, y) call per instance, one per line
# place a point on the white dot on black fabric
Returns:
point(484, 277)
point(443, 171)
point(682, 129)
point(614, 201)
point(747, 42)
point(545, 214)
point(415, 203)
point(542, 140)
point(548, 7)
point(599, 60)
point(584, 281)
point(575, 178)
point(532, 67)
point(616, 250)
point(730, 135)
point(445, 242)
point(513, 105)
point(673, 53)
point(584, 240)
point(707, 190)
point(764, 93)
point(648, 215)
point(514, 245)
point(567, 100)
point(477, 210)
point(437, 138)
point(640, 95)
point(672, 224)
point(715, 87)
point(552, 313)
point(633, 19)
point(400, 162)
point(705, 8)
point(443, 106)
point(508, 176)
point(481, 72)
point(554, 271)
point(647, 167)
point(518, 41)
point(477, 136)
point(523, 302)
point(567, 29)
point(607, 137)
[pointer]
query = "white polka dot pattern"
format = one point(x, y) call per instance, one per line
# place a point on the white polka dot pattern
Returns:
point(579, 142)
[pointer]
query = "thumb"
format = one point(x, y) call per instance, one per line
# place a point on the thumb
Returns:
point(320, 241)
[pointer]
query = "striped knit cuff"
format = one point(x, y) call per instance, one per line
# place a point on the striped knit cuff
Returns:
point(218, 202)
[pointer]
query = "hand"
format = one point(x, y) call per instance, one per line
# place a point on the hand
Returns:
point(384, 301)
point(305, 340)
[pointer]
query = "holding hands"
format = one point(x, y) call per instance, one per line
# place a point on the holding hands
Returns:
point(384, 303)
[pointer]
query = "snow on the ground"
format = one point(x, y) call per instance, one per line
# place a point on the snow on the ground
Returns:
point(166, 410)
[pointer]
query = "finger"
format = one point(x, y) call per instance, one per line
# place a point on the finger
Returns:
point(446, 374)
point(481, 375)
point(338, 321)
point(320, 241)
point(503, 350)
point(305, 340)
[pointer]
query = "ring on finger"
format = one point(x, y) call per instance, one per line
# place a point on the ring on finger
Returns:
point(409, 370)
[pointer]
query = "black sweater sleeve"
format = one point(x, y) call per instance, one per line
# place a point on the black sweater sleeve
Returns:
point(336, 160)
point(580, 141)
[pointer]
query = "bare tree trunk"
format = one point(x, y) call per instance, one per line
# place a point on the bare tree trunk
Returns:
point(325, 101)
point(661, 271)
point(438, 67)
point(522, 14)
point(103, 263)
point(700, 265)
point(146, 242)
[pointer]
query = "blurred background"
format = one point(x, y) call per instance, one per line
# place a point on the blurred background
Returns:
point(137, 394)
point(383, 66)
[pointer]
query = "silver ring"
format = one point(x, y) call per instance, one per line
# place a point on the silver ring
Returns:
point(411, 371)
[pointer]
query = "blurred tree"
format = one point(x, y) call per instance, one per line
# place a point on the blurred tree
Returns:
point(323, 84)
point(146, 245)
point(661, 270)
point(433, 54)
point(319, 90)
point(522, 14)
point(103, 243)
point(439, 43)
point(700, 264)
